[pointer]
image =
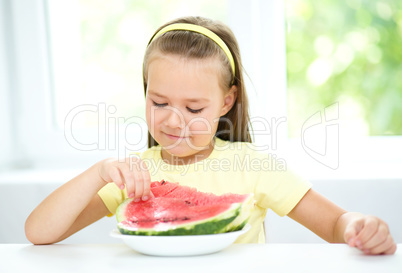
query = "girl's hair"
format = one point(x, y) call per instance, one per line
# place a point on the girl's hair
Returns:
point(235, 125)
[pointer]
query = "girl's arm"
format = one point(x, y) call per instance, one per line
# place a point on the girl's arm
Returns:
point(76, 204)
point(368, 233)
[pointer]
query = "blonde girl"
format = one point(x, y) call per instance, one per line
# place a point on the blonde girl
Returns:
point(199, 136)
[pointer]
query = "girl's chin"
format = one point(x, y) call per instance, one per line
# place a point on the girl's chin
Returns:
point(181, 151)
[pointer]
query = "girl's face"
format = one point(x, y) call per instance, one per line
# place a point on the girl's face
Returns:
point(184, 102)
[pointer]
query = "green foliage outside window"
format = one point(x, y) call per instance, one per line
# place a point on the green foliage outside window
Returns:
point(348, 52)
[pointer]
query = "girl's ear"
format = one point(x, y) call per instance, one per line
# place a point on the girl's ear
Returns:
point(229, 100)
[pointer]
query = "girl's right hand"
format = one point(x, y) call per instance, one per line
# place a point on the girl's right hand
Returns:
point(131, 174)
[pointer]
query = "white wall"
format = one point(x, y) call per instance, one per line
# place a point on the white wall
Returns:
point(22, 191)
point(379, 197)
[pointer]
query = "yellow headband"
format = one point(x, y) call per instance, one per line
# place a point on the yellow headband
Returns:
point(202, 30)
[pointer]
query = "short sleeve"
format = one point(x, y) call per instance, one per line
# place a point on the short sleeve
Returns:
point(280, 191)
point(112, 197)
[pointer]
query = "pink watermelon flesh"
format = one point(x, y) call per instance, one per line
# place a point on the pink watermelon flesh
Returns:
point(177, 205)
point(192, 196)
point(167, 210)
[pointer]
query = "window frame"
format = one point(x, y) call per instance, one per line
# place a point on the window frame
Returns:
point(37, 143)
point(6, 70)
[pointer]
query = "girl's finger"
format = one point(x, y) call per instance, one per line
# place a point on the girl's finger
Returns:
point(371, 225)
point(380, 236)
point(351, 231)
point(128, 179)
point(139, 185)
point(115, 175)
point(385, 247)
point(147, 194)
point(391, 250)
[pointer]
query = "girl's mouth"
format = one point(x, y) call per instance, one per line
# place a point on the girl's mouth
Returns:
point(174, 137)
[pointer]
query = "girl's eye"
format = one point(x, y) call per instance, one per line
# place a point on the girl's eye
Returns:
point(194, 111)
point(159, 104)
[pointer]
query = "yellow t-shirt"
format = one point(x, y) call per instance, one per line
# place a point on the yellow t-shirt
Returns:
point(235, 167)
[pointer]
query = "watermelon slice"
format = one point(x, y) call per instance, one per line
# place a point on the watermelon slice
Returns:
point(181, 210)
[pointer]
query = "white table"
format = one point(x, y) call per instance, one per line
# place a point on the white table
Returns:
point(236, 258)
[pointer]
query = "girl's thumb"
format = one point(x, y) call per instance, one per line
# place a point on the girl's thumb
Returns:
point(352, 230)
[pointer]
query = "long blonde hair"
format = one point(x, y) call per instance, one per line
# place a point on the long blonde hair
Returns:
point(235, 125)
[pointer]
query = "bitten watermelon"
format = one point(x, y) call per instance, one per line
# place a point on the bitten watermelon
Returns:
point(181, 210)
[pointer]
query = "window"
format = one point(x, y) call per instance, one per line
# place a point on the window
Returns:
point(79, 63)
point(344, 89)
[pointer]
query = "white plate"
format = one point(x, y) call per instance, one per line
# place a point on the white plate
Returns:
point(186, 245)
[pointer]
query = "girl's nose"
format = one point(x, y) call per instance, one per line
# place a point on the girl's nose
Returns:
point(175, 118)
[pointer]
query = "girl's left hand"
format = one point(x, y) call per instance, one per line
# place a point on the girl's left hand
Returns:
point(371, 235)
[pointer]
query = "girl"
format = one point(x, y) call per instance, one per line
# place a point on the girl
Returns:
point(197, 115)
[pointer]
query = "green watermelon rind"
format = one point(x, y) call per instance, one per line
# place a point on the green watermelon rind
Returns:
point(121, 208)
point(244, 215)
point(211, 225)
